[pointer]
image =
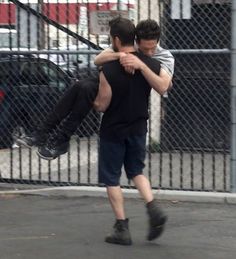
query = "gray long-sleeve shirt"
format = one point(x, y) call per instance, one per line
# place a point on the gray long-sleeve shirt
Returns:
point(166, 58)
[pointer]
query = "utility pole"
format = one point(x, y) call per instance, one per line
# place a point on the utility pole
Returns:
point(233, 99)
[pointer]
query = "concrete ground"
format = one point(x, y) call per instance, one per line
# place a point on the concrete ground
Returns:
point(60, 227)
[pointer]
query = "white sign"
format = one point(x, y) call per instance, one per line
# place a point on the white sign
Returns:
point(99, 20)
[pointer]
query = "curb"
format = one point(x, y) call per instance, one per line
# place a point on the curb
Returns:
point(164, 195)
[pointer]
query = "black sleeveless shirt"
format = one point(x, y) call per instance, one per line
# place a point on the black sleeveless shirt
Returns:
point(127, 113)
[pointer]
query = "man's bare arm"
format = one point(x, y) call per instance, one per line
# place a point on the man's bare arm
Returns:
point(104, 95)
point(106, 56)
point(110, 55)
point(159, 83)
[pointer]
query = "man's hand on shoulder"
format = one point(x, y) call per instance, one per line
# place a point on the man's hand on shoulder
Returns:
point(128, 69)
point(130, 62)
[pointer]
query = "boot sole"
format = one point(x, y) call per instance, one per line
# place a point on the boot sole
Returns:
point(157, 230)
point(45, 157)
point(21, 142)
point(50, 157)
point(118, 242)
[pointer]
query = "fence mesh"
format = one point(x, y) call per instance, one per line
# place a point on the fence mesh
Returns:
point(189, 130)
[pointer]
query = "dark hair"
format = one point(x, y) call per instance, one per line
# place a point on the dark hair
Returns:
point(124, 29)
point(148, 30)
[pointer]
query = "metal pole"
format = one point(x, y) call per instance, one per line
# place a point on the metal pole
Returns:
point(233, 100)
point(41, 26)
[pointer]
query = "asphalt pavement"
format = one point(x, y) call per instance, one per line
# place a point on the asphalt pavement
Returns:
point(58, 227)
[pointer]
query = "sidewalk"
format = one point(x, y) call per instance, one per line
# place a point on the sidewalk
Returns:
point(60, 227)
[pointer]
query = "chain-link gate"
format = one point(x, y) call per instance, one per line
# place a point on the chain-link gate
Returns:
point(55, 41)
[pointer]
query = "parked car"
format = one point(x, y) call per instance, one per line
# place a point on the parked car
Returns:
point(76, 65)
point(29, 89)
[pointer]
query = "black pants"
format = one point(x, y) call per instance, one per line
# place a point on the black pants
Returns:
point(73, 107)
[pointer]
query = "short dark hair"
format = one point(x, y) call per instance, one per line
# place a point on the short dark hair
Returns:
point(148, 30)
point(124, 29)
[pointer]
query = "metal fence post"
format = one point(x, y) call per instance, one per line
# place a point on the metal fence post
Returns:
point(41, 25)
point(233, 100)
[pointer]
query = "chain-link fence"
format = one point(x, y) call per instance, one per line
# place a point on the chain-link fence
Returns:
point(55, 41)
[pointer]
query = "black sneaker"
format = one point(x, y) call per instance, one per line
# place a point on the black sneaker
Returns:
point(35, 139)
point(157, 220)
point(120, 234)
point(54, 149)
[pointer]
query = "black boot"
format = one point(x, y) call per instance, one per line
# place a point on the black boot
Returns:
point(37, 138)
point(41, 132)
point(55, 147)
point(120, 234)
point(157, 220)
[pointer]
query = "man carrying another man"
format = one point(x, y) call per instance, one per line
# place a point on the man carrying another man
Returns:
point(79, 99)
point(124, 127)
